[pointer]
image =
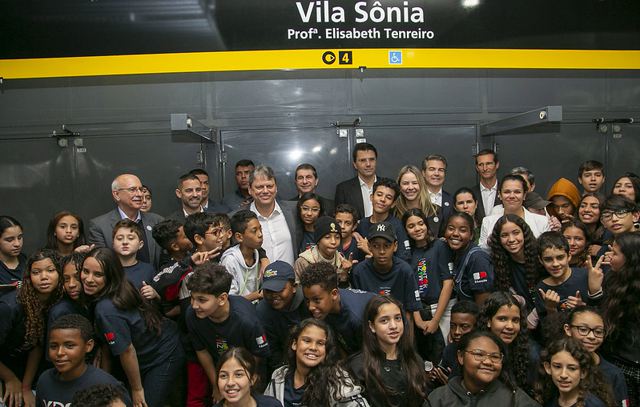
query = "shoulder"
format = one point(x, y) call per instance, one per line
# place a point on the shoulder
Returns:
point(242, 307)
point(106, 306)
point(401, 266)
point(593, 401)
point(266, 401)
point(105, 218)
point(348, 183)
point(151, 218)
point(279, 374)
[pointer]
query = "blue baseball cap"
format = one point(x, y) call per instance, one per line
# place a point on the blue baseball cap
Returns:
point(276, 276)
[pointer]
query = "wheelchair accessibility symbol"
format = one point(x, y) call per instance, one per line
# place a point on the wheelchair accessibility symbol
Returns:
point(395, 57)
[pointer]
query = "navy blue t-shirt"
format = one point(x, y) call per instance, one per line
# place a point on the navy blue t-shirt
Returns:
point(347, 324)
point(431, 267)
point(66, 306)
point(399, 282)
point(590, 401)
point(450, 360)
point(307, 242)
point(261, 401)
point(476, 276)
point(241, 329)
point(12, 332)
point(278, 323)
point(404, 247)
point(140, 272)
point(11, 276)
point(521, 286)
point(53, 391)
point(351, 250)
point(615, 378)
point(121, 328)
point(577, 281)
point(292, 396)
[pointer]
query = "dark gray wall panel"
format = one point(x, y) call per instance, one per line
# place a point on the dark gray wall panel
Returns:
point(280, 96)
point(623, 153)
point(624, 91)
point(526, 91)
point(551, 155)
point(398, 146)
point(284, 149)
point(421, 94)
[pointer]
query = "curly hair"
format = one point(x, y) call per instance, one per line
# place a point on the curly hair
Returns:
point(622, 287)
point(517, 362)
point(373, 355)
point(98, 395)
point(502, 259)
point(592, 381)
point(35, 309)
point(324, 380)
point(401, 205)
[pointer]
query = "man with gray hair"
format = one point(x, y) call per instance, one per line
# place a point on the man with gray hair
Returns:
point(280, 237)
point(126, 190)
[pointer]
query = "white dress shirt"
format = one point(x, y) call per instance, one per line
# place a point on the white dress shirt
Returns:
point(277, 241)
point(366, 196)
point(436, 198)
point(488, 197)
point(537, 223)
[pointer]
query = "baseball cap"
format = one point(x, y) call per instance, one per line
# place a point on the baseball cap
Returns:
point(384, 230)
point(276, 276)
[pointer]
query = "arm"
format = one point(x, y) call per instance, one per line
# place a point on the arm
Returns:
point(29, 374)
point(95, 235)
point(443, 300)
point(12, 396)
point(129, 361)
point(480, 298)
point(205, 359)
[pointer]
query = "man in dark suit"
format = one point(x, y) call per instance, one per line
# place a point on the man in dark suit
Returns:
point(277, 218)
point(486, 191)
point(357, 191)
point(306, 179)
point(434, 170)
point(207, 204)
point(189, 192)
point(126, 190)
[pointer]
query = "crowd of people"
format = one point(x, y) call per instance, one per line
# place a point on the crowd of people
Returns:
point(393, 293)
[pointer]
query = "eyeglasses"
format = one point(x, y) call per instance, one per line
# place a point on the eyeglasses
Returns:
point(308, 209)
point(132, 190)
point(481, 356)
point(214, 232)
point(585, 330)
point(620, 213)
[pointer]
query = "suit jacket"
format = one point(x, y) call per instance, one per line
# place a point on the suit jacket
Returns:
point(101, 230)
point(349, 192)
point(480, 210)
point(447, 209)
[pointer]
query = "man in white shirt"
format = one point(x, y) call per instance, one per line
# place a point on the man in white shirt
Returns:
point(486, 191)
point(434, 169)
point(276, 218)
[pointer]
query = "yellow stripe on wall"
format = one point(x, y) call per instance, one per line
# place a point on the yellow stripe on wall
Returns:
point(312, 59)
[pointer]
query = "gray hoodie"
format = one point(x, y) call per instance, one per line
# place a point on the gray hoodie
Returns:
point(350, 393)
point(245, 279)
point(496, 395)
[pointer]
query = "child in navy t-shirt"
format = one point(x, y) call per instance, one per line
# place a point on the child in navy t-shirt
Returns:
point(217, 321)
point(342, 309)
point(127, 241)
point(70, 339)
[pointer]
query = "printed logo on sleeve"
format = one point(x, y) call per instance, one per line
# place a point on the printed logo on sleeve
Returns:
point(417, 294)
point(261, 341)
point(480, 277)
point(110, 337)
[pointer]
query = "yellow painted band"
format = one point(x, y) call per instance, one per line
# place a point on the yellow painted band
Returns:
point(312, 59)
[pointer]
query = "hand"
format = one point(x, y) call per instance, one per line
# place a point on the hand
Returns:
point(362, 243)
point(607, 256)
point(148, 292)
point(595, 274)
point(551, 299)
point(439, 375)
point(12, 393)
point(430, 327)
point(346, 264)
point(199, 258)
point(574, 301)
point(28, 399)
point(138, 398)
point(567, 218)
point(554, 224)
point(594, 249)
point(85, 248)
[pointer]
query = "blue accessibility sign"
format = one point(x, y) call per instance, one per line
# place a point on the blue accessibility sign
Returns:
point(395, 57)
